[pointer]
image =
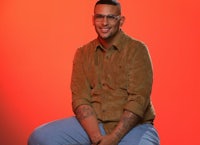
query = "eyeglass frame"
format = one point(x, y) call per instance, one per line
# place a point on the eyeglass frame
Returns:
point(110, 17)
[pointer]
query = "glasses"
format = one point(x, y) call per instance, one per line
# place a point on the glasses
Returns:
point(110, 18)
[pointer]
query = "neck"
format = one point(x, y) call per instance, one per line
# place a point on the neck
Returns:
point(106, 43)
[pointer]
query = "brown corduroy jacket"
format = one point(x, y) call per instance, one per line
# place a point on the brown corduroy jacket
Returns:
point(113, 80)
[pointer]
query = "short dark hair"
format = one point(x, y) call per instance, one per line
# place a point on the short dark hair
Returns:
point(109, 2)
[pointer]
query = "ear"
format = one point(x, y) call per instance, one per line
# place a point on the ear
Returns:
point(93, 20)
point(122, 20)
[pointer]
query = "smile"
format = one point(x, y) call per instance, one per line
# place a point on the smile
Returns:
point(105, 30)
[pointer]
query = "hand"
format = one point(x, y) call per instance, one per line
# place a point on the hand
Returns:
point(109, 139)
point(96, 139)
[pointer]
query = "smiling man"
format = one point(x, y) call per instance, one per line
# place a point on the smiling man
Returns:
point(111, 87)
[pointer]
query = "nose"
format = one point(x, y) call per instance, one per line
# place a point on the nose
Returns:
point(105, 20)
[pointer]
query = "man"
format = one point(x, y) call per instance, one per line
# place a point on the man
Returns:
point(111, 86)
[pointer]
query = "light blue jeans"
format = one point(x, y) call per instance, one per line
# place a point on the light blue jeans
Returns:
point(69, 132)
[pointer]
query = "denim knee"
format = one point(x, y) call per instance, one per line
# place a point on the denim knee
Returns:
point(38, 137)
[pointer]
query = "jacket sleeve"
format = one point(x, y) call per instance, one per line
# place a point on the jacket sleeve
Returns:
point(79, 85)
point(140, 79)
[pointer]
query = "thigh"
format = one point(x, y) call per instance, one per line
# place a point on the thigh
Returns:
point(61, 132)
point(144, 134)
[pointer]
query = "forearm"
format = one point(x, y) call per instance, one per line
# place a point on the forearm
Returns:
point(87, 118)
point(127, 122)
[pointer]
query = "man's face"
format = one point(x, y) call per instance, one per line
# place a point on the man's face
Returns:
point(107, 20)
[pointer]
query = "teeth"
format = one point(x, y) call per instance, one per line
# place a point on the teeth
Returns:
point(105, 30)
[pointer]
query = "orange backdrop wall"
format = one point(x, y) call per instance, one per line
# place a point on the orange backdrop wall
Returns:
point(38, 39)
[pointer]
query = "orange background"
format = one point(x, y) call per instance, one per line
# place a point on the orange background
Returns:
point(38, 39)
